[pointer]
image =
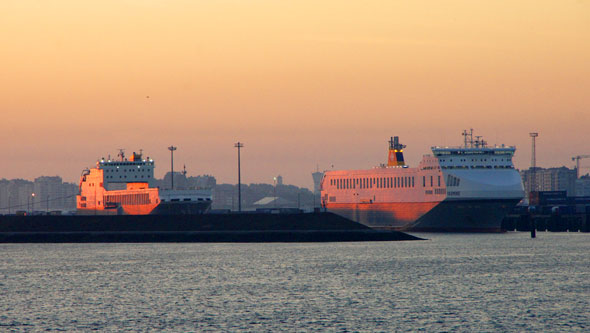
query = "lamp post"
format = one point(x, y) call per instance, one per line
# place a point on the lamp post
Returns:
point(275, 191)
point(239, 145)
point(172, 149)
point(32, 202)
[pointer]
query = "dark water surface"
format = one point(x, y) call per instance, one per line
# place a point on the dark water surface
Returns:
point(466, 282)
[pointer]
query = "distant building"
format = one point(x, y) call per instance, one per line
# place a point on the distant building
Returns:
point(50, 193)
point(552, 179)
point(317, 181)
point(274, 202)
point(583, 186)
point(181, 181)
point(19, 195)
point(4, 194)
point(225, 196)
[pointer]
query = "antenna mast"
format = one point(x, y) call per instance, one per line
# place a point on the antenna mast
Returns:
point(122, 154)
point(468, 135)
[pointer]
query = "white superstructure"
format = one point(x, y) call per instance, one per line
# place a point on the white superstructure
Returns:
point(476, 171)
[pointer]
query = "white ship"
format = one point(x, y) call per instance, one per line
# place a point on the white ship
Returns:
point(468, 188)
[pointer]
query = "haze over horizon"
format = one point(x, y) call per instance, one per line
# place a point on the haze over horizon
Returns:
point(301, 83)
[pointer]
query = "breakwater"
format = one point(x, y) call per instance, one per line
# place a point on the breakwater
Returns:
point(245, 227)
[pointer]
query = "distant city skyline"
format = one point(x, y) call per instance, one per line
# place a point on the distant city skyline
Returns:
point(301, 84)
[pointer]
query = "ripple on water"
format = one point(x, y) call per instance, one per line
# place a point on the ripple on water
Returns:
point(462, 282)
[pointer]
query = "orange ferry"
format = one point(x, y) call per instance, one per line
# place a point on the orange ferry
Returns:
point(123, 187)
point(468, 188)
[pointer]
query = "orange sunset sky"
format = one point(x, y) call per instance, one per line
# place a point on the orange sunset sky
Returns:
point(301, 83)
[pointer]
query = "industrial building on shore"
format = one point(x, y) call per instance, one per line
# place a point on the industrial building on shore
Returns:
point(556, 179)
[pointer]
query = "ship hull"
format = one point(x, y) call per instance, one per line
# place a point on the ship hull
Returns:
point(444, 216)
point(163, 208)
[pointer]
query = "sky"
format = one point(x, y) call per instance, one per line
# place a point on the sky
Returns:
point(303, 84)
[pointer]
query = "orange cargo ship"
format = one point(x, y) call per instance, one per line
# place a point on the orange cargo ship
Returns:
point(124, 187)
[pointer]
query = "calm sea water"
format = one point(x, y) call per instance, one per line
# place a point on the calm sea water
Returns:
point(466, 282)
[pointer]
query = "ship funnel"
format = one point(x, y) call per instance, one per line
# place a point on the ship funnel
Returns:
point(396, 152)
point(136, 157)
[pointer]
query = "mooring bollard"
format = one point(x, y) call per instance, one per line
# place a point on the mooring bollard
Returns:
point(531, 221)
point(532, 226)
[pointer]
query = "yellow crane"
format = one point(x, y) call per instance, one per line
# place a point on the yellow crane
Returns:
point(577, 159)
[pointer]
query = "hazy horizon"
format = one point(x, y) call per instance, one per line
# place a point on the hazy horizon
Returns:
point(302, 84)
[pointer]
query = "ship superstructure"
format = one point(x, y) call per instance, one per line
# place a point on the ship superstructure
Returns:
point(467, 188)
point(125, 186)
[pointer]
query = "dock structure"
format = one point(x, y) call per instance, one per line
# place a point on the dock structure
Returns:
point(555, 222)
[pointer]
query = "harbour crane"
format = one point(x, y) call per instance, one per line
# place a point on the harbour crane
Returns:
point(577, 159)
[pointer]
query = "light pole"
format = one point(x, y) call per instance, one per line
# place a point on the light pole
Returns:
point(239, 145)
point(533, 162)
point(275, 191)
point(172, 149)
point(32, 202)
